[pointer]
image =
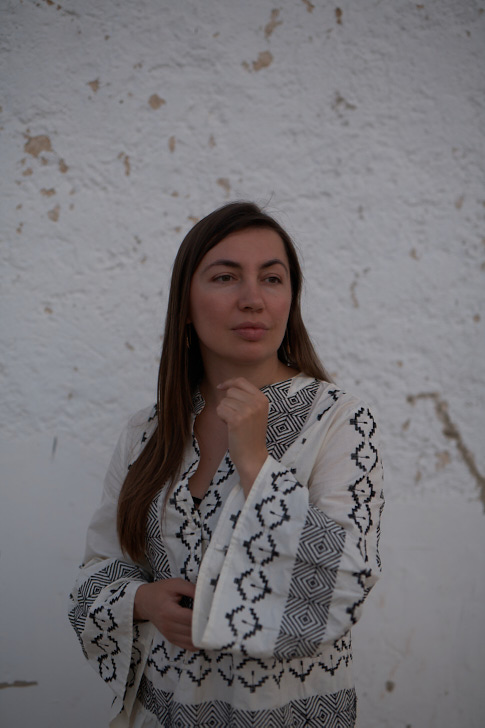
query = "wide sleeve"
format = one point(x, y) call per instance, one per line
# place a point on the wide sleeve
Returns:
point(102, 600)
point(289, 573)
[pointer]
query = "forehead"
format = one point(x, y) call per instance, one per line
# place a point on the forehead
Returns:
point(251, 245)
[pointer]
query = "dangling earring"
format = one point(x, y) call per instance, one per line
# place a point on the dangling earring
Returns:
point(188, 336)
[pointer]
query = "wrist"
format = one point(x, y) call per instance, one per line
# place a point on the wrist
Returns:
point(140, 604)
point(250, 471)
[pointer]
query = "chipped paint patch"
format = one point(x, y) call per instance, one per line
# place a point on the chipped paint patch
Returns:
point(36, 145)
point(225, 184)
point(94, 85)
point(54, 213)
point(171, 143)
point(338, 16)
point(155, 101)
point(309, 6)
point(18, 684)
point(265, 59)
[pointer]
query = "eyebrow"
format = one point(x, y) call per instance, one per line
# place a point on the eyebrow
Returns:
point(227, 263)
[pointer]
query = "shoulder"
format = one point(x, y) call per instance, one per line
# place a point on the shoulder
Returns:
point(333, 405)
point(138, 430)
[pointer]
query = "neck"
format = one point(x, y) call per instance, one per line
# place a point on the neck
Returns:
point(259, 375)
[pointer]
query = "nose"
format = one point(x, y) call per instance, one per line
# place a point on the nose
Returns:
point(250, 297)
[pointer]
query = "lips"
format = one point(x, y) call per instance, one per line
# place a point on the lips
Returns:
point(250, 331)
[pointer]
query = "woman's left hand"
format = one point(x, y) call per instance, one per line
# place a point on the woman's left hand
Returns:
point(244, 409)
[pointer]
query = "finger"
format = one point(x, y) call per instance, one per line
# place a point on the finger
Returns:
point(184, 588)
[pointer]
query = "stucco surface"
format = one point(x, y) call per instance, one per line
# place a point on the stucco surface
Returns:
point(361, 127)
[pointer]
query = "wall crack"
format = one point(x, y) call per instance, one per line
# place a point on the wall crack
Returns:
point(451, 432)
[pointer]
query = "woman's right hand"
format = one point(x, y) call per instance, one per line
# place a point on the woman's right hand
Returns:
point(159, 603)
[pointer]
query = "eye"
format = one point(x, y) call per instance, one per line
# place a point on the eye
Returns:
point(223, 278)
point(273, 279)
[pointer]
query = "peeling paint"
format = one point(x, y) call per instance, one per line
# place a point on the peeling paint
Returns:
point(155, 101)
point(36, 145)
point(27, 172)
point(63, 166)
point(390, 685)
point(451, 432)
point(225, 184)
point(47, 193)
point(338, 16)
point(212, 141)
point(273, 23)
point(309, 6)
point(18, 684)
point(171, 143)
point(459, 202)
point(54, 213)
point(265, 59)
point(94, 85)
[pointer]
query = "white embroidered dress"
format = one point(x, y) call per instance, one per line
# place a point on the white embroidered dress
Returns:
point(281, 576)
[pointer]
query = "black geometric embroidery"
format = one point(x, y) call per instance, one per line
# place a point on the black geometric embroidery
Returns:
point(90, 588)
point(335, 395)
point(287, 415)
point(135, 657)
point(272, 513)
point(166, 663)
point(254, 673)
point(261, 548)
point(315, 570)
point(361, 577)
point(203, 663)
point(225, 660)
point(244, 623)
point(154, 545)
point(252, 585)
point(365, 457)
point(336, 710)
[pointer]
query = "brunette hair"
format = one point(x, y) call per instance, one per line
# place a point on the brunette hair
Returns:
point(181, 367)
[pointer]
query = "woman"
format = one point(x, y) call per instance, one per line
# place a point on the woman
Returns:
point(237, 536)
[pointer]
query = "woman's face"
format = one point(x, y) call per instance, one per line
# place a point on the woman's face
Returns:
point(240, 298)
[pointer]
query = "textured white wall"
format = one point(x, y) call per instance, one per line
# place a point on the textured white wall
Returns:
point(362, 126)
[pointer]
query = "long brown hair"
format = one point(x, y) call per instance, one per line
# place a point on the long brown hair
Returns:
point(181, 367)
